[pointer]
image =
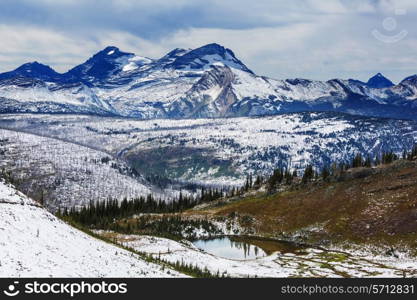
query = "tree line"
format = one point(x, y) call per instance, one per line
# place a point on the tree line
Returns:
point(100, 212)
point(283, 176)
point(106, 211)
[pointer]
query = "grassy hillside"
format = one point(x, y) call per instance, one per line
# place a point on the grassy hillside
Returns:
point(365, 205)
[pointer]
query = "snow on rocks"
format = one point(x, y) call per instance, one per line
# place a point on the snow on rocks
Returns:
point(308, 263)
point(9, 195)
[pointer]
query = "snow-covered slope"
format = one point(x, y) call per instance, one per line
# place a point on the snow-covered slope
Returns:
point(64, 174)
point(42, 97)
point(187, 83)
point(223, 151)
point(34, 243)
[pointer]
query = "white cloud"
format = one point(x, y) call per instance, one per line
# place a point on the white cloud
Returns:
point(318, 39)
point(62, 50)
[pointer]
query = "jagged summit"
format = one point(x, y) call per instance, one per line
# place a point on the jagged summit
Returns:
point(177, 52)
point(205, 56)
point(33, 70)
point(34, 66)
point(170, 57)
point(379, 81)
point(410, 80)
point(111, 51)
point(101, 65)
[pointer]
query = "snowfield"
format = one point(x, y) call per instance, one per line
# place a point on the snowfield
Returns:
point(34, 243)
point(223, 151)
point(311, 263)
point(65, 174)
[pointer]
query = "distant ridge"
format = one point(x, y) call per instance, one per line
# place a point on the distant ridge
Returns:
point(209, 81)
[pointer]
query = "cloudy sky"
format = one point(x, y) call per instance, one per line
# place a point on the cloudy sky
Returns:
point(317, 39)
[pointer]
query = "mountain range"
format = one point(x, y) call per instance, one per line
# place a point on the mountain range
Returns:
point(206, 82)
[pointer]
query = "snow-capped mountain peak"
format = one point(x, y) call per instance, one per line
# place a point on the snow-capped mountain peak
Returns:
point(410, 79)
point(379, 81)
point(33, 70)
point(99, 67)
point(111, 51)
point(177, 52)
point(135, 62)
point(204, 57)
point(171, 56)
point(35, 67)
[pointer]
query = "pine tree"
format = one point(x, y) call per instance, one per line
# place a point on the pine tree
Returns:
point(368, 162)
point(413, 154)
point(247, 185)
point(357, 161)
point(275, 179)
point(405, 154)
point(288, 177)
point(42, 200)
point(258, 182)
point(308, 174)
point(377, 160)
point(325, 173)
point(389, 157)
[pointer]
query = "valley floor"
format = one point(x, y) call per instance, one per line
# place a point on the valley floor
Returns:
point(374, 206)
point(308, 263)
point(34, 243)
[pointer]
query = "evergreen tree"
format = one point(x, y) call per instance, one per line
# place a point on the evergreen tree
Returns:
point(377, 160)
point(258, 182)
point(389, 157)
point(308, 174)
point(413, 154)
point(275, 179)
point(325, 173)
point(357, 161)
point(368, 162)
point(288, 177)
